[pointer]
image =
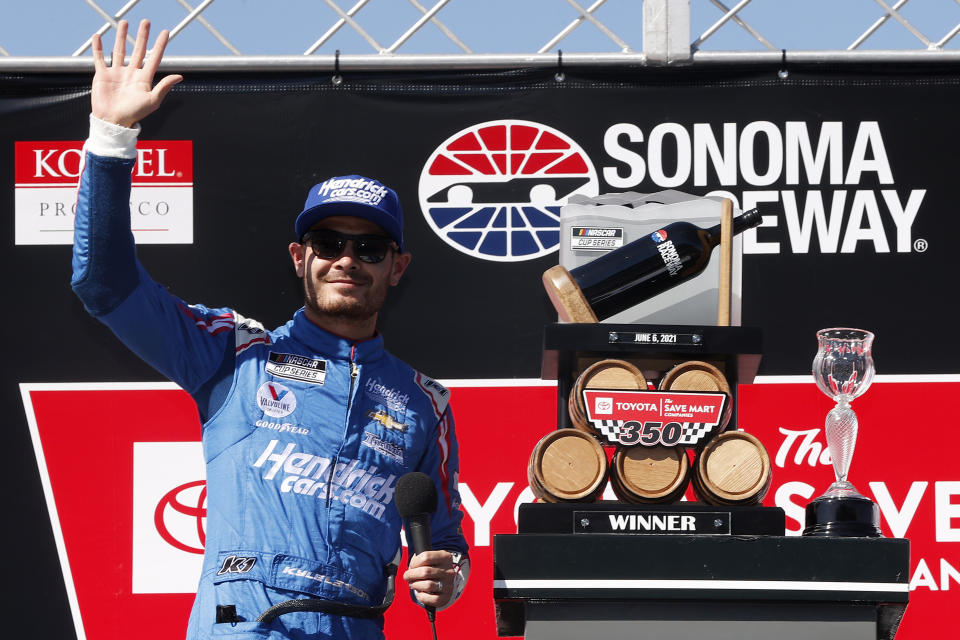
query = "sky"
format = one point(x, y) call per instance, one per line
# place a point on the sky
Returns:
point(290, 27)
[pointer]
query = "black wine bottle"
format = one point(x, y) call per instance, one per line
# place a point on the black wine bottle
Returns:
point(639, 270)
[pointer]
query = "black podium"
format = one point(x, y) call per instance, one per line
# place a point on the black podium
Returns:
point(568, 575)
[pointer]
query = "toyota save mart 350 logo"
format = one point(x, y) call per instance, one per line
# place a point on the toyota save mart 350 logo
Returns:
point(494, 190)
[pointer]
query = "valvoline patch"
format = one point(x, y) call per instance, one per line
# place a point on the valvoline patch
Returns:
point(276, 400)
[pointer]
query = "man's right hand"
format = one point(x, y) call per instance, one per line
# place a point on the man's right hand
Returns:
point(124, 95)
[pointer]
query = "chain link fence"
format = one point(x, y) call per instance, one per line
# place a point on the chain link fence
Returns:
point(62, 28)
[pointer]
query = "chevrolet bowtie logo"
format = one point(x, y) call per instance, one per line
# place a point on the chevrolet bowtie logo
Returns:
point(387, 421)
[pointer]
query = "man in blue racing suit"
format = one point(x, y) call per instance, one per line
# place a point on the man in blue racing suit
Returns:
point(306, 428)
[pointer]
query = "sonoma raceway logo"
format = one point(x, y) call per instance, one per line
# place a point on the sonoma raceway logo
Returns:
point(494, 190)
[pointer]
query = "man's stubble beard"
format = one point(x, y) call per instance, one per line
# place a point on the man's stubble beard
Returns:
point(345, 308)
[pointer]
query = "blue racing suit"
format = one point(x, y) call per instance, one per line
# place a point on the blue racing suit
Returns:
point(305, 433)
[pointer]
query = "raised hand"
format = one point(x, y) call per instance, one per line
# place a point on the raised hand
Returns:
point(125, 95)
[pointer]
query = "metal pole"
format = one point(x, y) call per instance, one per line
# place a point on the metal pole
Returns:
point(666, 30)
point(111, 22)
point(460, 62)
point(213, 30)
point(876, 25)
point(569, 28)
point(416, 26)
point(193, 14)
point(719, 23)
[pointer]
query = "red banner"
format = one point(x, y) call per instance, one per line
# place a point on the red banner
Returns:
point(128, 508)
point(57, 162)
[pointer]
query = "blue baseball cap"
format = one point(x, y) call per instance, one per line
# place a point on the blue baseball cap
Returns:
point(353, 196)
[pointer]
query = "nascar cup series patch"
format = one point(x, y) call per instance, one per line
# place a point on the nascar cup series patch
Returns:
point(296, 367)
point(653, 418)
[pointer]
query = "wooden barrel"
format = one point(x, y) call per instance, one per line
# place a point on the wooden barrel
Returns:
point(695, 375)
point(649, 475)
point(732, 469)
point(567, 465)
point(605, 374)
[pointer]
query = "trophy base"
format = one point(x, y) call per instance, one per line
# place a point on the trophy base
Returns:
point(842, 517)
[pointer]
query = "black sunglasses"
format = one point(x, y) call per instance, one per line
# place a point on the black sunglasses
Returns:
point(329, 244)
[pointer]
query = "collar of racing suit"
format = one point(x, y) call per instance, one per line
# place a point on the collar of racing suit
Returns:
point(332, 345)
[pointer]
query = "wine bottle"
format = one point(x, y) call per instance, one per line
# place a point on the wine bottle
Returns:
point(636, 271)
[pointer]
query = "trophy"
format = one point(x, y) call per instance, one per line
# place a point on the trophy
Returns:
point(843, 369)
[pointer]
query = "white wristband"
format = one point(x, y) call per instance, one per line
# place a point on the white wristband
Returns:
point(112, 140)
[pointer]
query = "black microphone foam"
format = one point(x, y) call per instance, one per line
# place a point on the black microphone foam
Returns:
point(416, 498)
point(415, 494)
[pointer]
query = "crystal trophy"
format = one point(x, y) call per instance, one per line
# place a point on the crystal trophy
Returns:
point(843, 369)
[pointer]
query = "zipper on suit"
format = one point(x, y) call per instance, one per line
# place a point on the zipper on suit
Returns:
point(354, 374)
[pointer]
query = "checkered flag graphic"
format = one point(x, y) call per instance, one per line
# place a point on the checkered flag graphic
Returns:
point(694, 432)
point(610, 429)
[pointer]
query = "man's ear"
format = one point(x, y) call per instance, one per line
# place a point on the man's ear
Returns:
point(400, 263)
point(297, 253)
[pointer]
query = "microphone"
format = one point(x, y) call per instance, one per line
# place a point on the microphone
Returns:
point(416, 498)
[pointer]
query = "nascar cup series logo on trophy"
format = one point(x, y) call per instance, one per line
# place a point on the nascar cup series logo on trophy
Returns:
point(494, 190)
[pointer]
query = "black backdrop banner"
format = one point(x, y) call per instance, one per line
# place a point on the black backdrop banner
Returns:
point(858, 162)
